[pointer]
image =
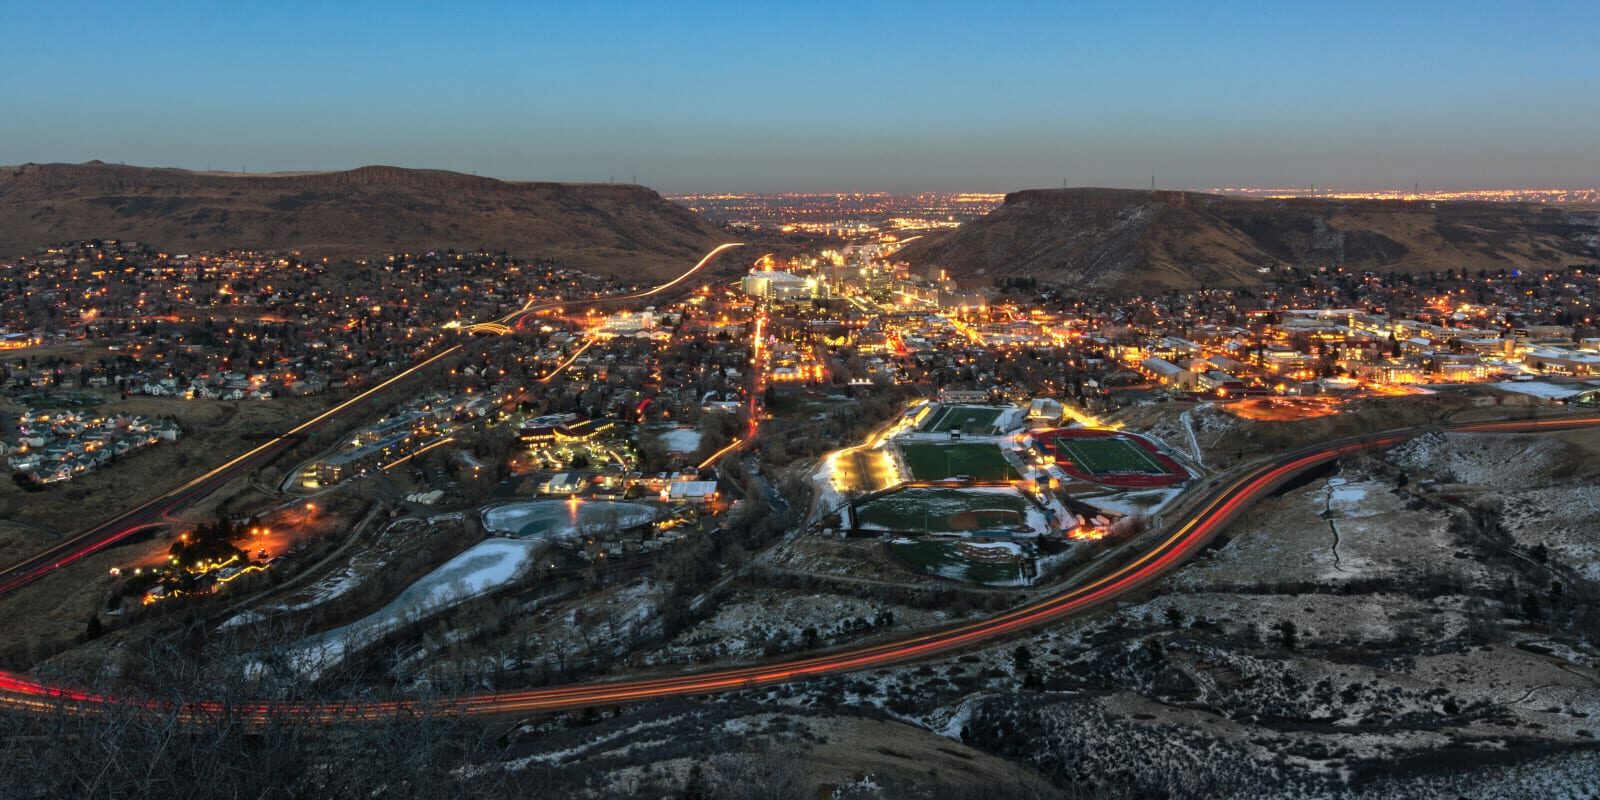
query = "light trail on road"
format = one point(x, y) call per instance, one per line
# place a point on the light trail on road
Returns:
point(568, 362)
point(533, 305)
point(1209, 519)
point(419, 451)
point(712, 459)
point(152, 512)
point(144, 516)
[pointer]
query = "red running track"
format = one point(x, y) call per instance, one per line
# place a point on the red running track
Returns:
point(1206, 522)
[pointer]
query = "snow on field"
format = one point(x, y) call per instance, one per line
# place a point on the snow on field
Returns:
point(823, 478)
point(942, 503)
point(1543, 487)
point(680, 440)
point(1549, 391)
point(1347, 498)
point(1321, 618)
point(393, 541)
point(481, 568)
point(1144, 502)
point(1332, 531)
point(330, 588)
point(1009, 547)
point(556, 519)
point(1539, 484)
point(1187, 418)
point(1499, 460)
point(757, 619)
point(1192, 432)
point(1565, 519)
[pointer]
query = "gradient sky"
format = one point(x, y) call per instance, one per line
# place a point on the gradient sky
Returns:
point(820, 96)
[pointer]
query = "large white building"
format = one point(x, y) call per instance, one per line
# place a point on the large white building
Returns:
point(778, 286)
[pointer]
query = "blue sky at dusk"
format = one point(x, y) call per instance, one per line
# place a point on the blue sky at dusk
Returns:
point(809, 96)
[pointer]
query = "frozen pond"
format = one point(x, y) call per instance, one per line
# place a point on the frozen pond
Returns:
point(481, 568)
point(554, 519)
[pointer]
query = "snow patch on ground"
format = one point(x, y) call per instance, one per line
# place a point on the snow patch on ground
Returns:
point(1499, 460)
point(1549, 391)
point(1144, 502)
point(481, 568)
point(757, 620)
point(680, 440)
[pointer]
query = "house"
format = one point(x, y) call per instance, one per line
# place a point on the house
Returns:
point(564, 483)
point(697, 492)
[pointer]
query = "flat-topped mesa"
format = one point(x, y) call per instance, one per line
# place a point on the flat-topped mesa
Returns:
point(364, 212)
point(151, 179)
point(1129, 241)
point(1102, 198)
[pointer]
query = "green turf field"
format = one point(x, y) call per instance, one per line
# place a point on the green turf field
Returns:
point(970, 419)
point(935, 462)
point(1111, 456)
point(945, 560)
point(939, 510)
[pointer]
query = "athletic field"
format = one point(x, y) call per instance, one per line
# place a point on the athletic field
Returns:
point(935, 462)
point(940, 510)
point(1110, 456)
point(970, 419)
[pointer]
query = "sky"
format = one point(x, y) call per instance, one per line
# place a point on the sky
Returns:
point(820, 96)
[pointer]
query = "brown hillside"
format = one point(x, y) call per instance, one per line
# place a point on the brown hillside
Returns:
point(366, 212)
point(1130, 240)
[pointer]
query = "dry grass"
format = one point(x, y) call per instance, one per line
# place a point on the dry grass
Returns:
point(860, 747)
point(213, 433)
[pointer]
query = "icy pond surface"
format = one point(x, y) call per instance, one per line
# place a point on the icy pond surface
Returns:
point(555, 519)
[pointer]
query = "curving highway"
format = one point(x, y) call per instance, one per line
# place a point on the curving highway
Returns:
point(1208, 519)
point(155, 511)
point(509, 322)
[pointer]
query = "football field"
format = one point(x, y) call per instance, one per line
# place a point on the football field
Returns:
point(970, 419)
point(935, 462)
point(1110, 456)
point(940, 510)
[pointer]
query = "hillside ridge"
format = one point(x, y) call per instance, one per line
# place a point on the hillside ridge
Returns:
point(1129, 240)
point(367, 211)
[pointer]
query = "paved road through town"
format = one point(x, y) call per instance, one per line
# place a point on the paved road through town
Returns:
point(1182, 542)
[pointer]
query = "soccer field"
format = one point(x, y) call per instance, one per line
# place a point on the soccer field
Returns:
point(1110, 456)
point(944, 511)
point(970, 419)
point(935, 462)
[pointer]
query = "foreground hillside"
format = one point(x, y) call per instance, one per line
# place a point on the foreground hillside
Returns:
point(1137, 240)
point(366, 211)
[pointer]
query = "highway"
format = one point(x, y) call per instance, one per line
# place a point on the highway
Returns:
point(1209, 518)
point(509, 322)
point(1189, 538)
point(153, 512)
